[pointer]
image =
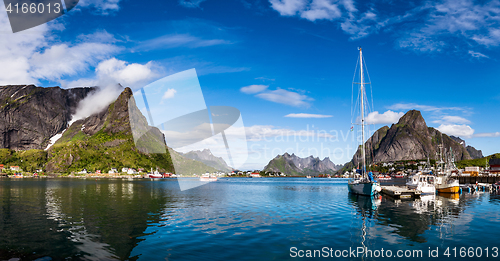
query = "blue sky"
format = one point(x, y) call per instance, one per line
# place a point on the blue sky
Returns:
point(287, 65)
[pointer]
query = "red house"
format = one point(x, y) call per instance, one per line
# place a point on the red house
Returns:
point(494, 166)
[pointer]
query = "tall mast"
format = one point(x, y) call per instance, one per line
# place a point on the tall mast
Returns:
point(362, 112)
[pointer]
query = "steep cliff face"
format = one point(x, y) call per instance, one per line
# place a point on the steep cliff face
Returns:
point(409, 139)
point(474, 153)
point(30, 115)
point(294, 165)
point(104, 140)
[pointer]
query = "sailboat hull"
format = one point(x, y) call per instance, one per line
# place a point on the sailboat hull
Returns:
point(363, 188)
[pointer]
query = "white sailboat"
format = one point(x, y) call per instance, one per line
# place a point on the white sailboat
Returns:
point(366, 184)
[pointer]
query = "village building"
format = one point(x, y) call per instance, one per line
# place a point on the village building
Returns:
point(494, 166)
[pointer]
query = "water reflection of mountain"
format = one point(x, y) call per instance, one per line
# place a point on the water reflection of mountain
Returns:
point(79, 219)
point(412, 218)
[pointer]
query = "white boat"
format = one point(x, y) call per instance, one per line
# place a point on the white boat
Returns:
point(208, 177)
point(384, 177)
point(365, 185)
point(423, 182)
point(308, 177)
point(155, 174)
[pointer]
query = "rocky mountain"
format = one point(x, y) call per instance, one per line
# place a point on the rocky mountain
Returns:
point(296, 166)
point(104, 140)
point(473, 152)
point(409, 139)
point(209, 159)
point(30, 115)
point(101, 141)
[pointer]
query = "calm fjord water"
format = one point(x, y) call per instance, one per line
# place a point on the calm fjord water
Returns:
point(231, 219)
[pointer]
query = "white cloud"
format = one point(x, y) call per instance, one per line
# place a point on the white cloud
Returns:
point(269, 132)
point(477, 55)
point(357, 24)
point(421, 42)
point(467, 20)
point(487, 135)
point(103, 7)
point(179, 40)
point(307, 115)
point(313, 10)
point(452, 120)
point(286, 97)
point(360, 27)
point(97, 101)
point(321, 9)
point(456, 130)
point(114, 71)
point(251, 89)
point(427, 26)
point(191, 3)
point(387, 117)
point(108, 74)
point(288, 7)
point(64, 60)
point(170, 93)
point(410, 106)
point(31, 55)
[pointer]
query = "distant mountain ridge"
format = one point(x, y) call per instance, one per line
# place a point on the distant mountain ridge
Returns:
point(409, 139)
point(296, 166)
point(208, 159)
point(473, 152)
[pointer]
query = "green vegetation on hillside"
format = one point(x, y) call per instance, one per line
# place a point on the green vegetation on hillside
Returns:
point(102, 151)
point(482, 162)
point(29, 160)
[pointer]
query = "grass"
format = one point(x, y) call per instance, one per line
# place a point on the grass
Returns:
point(481, 162)
point(89, 152)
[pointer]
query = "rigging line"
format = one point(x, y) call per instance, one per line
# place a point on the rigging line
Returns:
point(369, 80)
point(352, 88)
point(356, 106)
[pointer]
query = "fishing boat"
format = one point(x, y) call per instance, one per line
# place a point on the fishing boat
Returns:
point(422, 181)
point(444, 182)
point(365, 184)
point(155, 174)
point(208, 177)
point(384, 177)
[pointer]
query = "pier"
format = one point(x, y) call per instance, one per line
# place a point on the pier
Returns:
point(400, 192)
point(478, 179)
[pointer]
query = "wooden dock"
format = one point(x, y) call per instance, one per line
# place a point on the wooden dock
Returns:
point(481, 179)
point(400, 192)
